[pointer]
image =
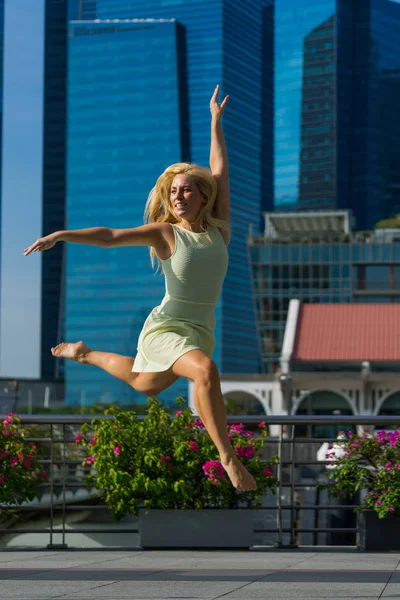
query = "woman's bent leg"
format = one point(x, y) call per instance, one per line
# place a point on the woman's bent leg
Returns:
point(118, 366)
point(210, 405)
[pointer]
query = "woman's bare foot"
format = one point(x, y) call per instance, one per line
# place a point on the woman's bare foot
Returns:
point(241, 479)
point(77, 351)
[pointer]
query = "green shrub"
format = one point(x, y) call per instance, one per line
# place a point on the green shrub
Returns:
point(168, 464)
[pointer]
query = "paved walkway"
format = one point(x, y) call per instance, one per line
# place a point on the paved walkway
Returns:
point(303, 574)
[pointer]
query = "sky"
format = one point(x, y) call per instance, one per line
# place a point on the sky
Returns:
point(21, 188)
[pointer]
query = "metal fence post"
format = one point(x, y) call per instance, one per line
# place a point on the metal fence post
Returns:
point(64, 545)
point(51, 545)
point(279, 542)
point(293, 520)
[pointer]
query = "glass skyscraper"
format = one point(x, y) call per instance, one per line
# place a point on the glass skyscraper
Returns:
point(57, 14)
point(230, 43)
point(337, 65)
point(139, 85)
point(124, 128)
point(108, 100)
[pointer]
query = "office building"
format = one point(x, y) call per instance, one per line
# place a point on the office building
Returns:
point(57, 15)
point(337, 65)
point(230, 43)
point(124, 128)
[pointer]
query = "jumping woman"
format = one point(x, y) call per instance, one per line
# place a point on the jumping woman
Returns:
point(187, 230)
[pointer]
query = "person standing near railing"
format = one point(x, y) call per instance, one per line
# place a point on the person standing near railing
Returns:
point(188, 231)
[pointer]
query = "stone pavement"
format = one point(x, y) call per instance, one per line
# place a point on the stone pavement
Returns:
point(303, 574)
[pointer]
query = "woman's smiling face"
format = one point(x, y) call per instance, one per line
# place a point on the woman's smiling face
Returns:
point(185, 198)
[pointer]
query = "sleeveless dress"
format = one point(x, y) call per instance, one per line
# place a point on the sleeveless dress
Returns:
point(185, 319)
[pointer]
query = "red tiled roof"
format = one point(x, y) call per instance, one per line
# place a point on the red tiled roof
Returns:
point(350, 332)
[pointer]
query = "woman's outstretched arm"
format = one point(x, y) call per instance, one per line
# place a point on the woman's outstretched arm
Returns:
point(219, 156)
point(151, 234)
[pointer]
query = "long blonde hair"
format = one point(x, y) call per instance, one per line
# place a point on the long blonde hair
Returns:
point(159, 208)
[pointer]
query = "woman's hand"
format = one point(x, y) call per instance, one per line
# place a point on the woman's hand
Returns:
point(216, 108)
point(44, 243)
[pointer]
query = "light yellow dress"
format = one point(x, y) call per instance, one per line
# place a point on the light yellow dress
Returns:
point(185, 319)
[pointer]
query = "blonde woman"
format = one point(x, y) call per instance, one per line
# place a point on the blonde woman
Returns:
point(188, 231)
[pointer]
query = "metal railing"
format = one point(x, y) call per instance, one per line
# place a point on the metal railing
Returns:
point(288, 515)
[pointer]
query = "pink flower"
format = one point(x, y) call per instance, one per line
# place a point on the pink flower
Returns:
point(268, 473)
point(196, 423)
point(166, 460)
point(117, 450)
point(93, 440)
point(237, 427)
point(8, 420)
point(91, 459)
point(14, 462)
point(27, 463)
point(213, 469)
point(391, 508)
point(246, 433)
point(379, 502)
point(178, 413)
point(2, 479)
point(245, 451)
point(193, 445)
point(262, 424)
point(79, 438)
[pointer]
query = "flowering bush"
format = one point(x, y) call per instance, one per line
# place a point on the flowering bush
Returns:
point(168, 464)
point(370, 464)
point(20, 474)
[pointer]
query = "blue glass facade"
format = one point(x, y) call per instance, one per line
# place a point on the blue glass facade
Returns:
point(57, 15)
point(82, 10)
point(375, 166)
point(303, 97)
point(337, 65)
point(124, 129)
point(53, 181)
point(230, 43)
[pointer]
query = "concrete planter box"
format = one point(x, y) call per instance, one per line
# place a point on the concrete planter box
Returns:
point(211, 528)
point(377, 534)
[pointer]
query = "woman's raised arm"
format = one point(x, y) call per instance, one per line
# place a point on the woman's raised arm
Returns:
point(219, 157)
